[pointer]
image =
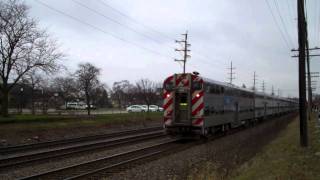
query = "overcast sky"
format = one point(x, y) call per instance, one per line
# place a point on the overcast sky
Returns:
point(133, 39)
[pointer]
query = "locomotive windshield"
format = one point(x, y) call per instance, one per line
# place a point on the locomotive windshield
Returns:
point(168, 86)
point(197, 86)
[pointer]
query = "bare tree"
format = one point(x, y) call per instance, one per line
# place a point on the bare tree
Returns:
point(66, 87)
point(87, 75)
point(23, 47)
point(100, 97)
point(147, 91)
point(34, 79)
point(120, 91)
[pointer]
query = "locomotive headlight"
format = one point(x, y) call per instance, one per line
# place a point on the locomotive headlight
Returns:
point(198, 95)
point(168, 95)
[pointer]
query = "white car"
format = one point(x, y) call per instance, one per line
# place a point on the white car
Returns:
point(135, 108)
point(152, 108)
point(155, 108)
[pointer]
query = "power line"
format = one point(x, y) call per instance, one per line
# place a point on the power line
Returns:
point(203, 57)
point(101, 30)
point(290, 13)
point(132, 19)
point(114, 21)
point(276, 22)
point(317, 22)
point(283, 23)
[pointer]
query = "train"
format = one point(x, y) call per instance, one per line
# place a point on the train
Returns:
point(194, 105)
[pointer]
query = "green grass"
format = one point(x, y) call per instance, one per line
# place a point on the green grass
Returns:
point(284, 159)
point(22, 128)
point(54, 118)
point(20, 123)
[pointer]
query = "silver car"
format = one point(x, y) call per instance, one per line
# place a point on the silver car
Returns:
point(152, 108)
point(135, 108)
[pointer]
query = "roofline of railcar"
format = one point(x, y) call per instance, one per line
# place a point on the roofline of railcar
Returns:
point(228, 85)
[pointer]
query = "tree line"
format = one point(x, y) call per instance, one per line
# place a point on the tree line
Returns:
point(30, 61)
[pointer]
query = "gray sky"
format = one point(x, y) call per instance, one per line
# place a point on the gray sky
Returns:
point(142, 46)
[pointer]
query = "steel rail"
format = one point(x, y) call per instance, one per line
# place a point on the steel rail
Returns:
point(48, 144)
point(76, 170)
point(73, 150)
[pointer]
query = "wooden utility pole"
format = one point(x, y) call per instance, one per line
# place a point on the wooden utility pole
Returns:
point(231, 73)
point(254, 81)
point(254, 94)
point(308, 74)
point(302, 73)
point(272, 91)
point(263, 86)
point(185, 51)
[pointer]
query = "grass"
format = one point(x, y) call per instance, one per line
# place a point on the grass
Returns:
point(38, 122)
point(100, 117)
point(283, 158)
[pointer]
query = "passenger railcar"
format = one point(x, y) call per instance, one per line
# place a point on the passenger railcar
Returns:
point(196, 105)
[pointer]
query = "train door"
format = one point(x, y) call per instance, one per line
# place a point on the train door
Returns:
point(182, 108)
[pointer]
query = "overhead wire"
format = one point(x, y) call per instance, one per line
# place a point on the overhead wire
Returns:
point(114, 21)
point(283, 23)
point(203, 58)
point(132, 19)
point(277, 24)
point(100, 30)
point(317, 22)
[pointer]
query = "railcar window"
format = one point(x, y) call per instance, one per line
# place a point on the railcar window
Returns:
point(197, 86)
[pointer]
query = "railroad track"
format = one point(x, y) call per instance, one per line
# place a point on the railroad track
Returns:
point(99, 167)
point(75, 150)
point(51, 144)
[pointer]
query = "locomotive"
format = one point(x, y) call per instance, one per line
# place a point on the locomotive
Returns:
point(196, 105)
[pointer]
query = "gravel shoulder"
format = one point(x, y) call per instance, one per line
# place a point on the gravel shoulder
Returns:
point(213, 160)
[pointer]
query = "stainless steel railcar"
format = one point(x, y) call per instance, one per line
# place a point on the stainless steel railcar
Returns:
point(196, 105)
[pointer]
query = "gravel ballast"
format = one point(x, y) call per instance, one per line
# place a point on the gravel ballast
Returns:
point(33, 168)
point(223, 155)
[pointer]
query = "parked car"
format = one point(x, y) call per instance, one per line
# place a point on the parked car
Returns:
point(135, 108)
point(155, 108)
point(91, 107)
point(152, 108)
point(76, 105)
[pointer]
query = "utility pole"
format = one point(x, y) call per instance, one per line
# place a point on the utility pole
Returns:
point(263, 86)
point(272, 91)
point(231, 78)
point(254, 94)
point(254, 81)
point(309, 76)
point(302, 75)
point(278, 92)
point(185, 50)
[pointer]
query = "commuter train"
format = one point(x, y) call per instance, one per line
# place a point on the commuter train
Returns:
point(196, 105)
